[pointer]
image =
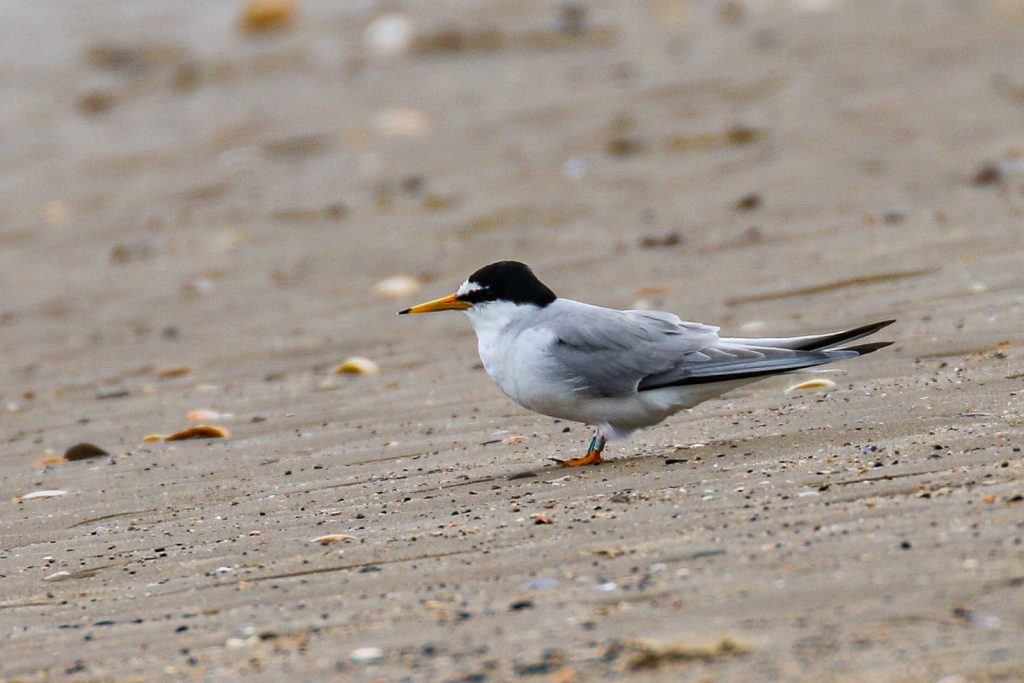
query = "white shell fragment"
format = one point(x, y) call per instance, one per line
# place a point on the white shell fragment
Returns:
point(402, 123)
point(367, 655)
point(817, 383)
point(397, 287)
point(389, 34)
point(205, 415)
point(51, 493)
point(356, 365)
point(331, 538)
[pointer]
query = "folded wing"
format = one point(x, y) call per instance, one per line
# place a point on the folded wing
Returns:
point(603, 352)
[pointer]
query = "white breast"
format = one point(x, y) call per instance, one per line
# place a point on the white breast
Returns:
point(514, 351)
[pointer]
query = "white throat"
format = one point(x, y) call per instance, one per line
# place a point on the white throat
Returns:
point(496, 317)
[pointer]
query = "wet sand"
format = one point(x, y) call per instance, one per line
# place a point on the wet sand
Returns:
point(196, 217)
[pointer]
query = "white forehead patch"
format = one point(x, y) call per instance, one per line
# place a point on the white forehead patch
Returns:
point(467, 287)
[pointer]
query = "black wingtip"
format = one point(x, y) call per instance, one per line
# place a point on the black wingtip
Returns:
point(832, 340)
point(404, 312)
point(864, 349)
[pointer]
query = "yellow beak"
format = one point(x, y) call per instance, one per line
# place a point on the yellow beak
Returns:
point(445, 303)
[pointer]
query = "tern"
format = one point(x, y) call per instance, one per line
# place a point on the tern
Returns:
point(617, 371)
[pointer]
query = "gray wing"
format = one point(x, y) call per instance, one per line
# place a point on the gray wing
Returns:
point(604, 352)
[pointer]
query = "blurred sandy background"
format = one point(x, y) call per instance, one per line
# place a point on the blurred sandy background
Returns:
point(204, 205)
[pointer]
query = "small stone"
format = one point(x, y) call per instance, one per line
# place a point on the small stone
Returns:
point(84, 451)
point(748, 202)
point(657, 241)
point(624, 146)
point(116, 391)
point(989, 174)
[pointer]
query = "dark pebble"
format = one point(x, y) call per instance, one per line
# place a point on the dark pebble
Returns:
point(989, 174)
point(83, 451)
point(748, 202)
point(656, 241)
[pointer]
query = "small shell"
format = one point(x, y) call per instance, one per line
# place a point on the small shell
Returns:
point(266, 15)
point(204, 415)
point(57, 213)
point(817, 383)
point(51, 493)
point(397, 287)
point(402, 123)
point(513, 439)
point(541, 518)
point(151, 438)
point(356, 365)
point(199, 432)
point(331, 538)
point(366, 655)
point(389, 34)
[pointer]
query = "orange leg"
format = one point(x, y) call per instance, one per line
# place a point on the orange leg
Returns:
point(592, 457)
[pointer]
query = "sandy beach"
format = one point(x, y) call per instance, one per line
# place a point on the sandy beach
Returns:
point(204, 214)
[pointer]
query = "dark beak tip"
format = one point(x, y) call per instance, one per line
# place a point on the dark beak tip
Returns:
point(404, 312)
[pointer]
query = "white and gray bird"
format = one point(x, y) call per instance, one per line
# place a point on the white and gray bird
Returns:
point(616, 370)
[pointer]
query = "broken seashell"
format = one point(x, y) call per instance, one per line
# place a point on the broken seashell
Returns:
point(402, 123)
point(356, 365)
point(331, 538)
point(397, 287)
point(367, 655)
point(57, 213)
point(37, 495)
point(389, 34)
point(817, 383)
point(204, 415)
point(199, 432)
point(266, 15)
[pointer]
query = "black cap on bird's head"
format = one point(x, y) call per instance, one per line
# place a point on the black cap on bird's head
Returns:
point(509, 281)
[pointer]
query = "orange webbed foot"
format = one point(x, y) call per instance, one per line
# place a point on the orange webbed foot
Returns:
point(591, 458)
